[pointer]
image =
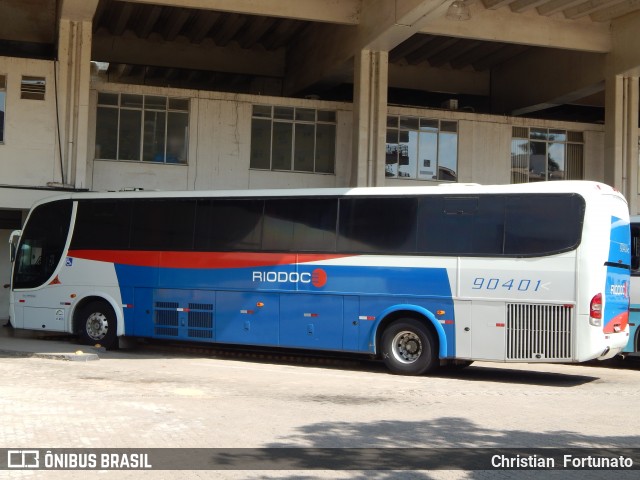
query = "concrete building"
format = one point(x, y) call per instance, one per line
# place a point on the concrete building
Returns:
point(217, 94)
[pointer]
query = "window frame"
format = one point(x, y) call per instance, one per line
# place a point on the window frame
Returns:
point(395, 124)
point(294, 121)
point(524, 134)
point(119, 107)
point(30, 86)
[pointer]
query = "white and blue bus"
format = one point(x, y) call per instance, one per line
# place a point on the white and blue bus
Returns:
point(417, 276)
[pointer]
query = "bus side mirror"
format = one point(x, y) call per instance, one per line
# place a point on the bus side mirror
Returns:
point(14, 238)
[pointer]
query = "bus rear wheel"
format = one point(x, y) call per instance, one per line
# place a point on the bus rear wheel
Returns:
point(97, 325)
point(408, 347)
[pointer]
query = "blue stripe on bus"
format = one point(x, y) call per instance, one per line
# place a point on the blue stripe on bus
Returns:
point(292, 294)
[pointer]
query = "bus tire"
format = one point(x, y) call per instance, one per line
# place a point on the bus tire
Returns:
point(408, 347)
point(97, 324)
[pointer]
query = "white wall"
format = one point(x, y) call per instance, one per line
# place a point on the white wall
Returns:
point(219, 147)
point(28, 155)
point(220, 135)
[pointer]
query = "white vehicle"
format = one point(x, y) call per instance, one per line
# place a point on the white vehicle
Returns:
point(418, 276)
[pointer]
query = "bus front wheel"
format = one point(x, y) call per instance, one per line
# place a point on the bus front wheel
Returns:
point(408, 347)
point(97, 325)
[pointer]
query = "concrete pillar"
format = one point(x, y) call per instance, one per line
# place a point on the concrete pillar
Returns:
point(369, 118)
point(73, 71)
point(621, 136)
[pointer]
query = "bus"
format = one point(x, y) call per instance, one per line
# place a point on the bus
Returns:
point(633, 346)
point(416, 276)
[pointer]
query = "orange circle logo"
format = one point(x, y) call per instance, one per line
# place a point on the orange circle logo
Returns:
point(319, 278)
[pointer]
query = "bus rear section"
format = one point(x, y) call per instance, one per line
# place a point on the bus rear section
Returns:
point(633, 345)
point(603, 270)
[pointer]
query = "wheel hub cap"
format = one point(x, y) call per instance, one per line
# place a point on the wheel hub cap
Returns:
point(97, 326)
point(407, 347)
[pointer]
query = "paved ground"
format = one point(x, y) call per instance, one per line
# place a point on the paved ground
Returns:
point(148, 399)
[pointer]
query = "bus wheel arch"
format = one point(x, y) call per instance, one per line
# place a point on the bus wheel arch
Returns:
point(400, 333)
point(96, 321)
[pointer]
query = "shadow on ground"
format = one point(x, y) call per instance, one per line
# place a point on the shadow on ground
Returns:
point(449, 432)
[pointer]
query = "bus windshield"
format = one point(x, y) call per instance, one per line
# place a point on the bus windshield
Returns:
point(42, 244)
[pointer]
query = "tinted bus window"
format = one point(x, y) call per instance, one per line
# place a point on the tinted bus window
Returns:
point(300, 224)
point(542, 224)
point(461, 225)
point(226, 225)
point(635, 249)
point(163, 224)
point(42, 244)
point(381, 225)
point(102, 225)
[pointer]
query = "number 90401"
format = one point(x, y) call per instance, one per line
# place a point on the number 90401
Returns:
point(524, 285)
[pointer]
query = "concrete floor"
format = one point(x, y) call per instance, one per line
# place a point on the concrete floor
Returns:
point(142, 398)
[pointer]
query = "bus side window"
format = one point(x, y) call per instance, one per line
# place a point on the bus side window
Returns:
point(375, 225)
point(102, 224)
point(462, 225)
point(301, 224)
point(224, 225)
point(163, 225)
point(635, 249)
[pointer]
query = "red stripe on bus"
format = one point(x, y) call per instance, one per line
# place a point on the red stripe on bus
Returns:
point(198, 260)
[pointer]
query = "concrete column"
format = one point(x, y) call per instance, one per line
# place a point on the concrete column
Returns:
point(369, 118)
point(621, 137)
point(73, 71)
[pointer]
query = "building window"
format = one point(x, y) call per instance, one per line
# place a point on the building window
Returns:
point(3, 96)
point(540, 154)
point(148, 128)
point(32, 88)
point(421, 148)
point(293, 139)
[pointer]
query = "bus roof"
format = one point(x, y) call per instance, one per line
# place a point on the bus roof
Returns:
point(585, 188)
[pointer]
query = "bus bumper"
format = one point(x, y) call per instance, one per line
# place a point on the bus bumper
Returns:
point(609, 353)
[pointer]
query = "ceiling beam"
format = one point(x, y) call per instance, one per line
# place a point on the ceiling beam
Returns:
point(475, 54)
point(146, 26)
point(432, 48)
point(411, 45)
point(586, 8)
point(495, 4)
point(555, 6)
point(527, 29)
point(384, 24)
point(175, 23)
point(624, 58)
point(520, 6)
point(500, 55)
point(122, 19)
point(128, 49)
point(615, 11)
point(442, 80)
point(454, 51)
point(345, 12)
point(539, 78)
point(203, 25)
